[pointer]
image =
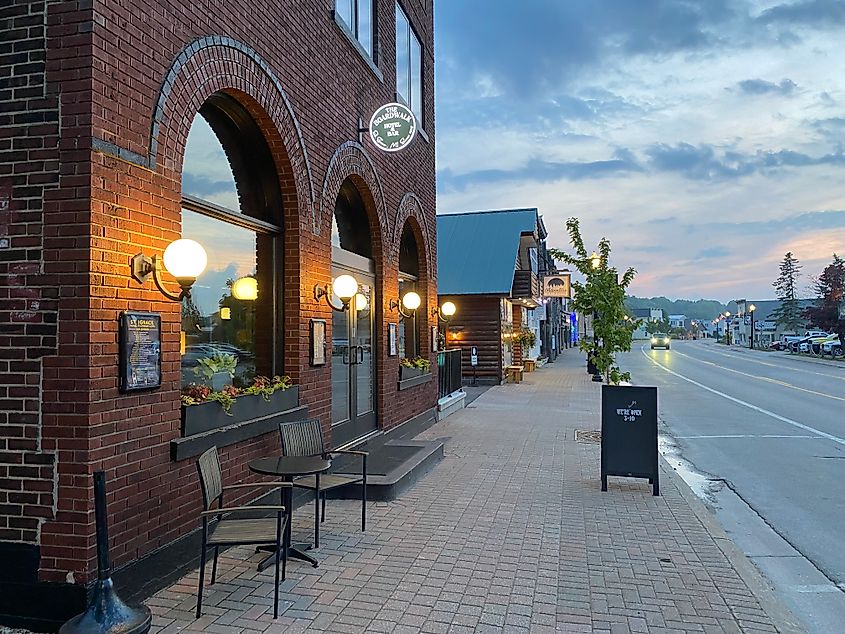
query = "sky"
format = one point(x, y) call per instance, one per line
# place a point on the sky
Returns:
point(703, 138)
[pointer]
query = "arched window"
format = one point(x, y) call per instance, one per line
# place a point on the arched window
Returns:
point(409, 274)
point(232, 205)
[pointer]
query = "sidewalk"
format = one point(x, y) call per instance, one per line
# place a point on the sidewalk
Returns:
point(510, 532)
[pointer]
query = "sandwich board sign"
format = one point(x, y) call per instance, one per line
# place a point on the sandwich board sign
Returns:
point(473, 356)
point(629, 433)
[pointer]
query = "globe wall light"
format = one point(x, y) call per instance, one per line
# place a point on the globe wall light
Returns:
point(245, 289)
point(446, 311)
point(345, 287)
point(409, 304)
point(184, 259)
point(361, 302)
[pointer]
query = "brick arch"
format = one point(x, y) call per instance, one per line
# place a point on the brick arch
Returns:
point(351, 160)
point(221, 64)
point(411, 209)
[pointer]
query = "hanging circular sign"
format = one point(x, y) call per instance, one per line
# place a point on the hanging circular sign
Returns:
point(393, 127)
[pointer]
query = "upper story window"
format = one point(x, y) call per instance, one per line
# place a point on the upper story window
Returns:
point(408, 65)
point(357, 15)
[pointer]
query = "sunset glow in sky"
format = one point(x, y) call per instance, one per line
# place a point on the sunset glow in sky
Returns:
point(703, 138)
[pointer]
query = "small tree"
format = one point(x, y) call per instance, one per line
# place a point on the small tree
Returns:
point(830, 292)
point(788, 313)
point(603, 296)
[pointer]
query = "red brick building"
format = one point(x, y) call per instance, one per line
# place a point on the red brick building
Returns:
point(126, 125)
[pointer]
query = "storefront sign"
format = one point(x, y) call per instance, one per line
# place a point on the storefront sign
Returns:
point(557, 286)
point(140, 351)
point(393, 127)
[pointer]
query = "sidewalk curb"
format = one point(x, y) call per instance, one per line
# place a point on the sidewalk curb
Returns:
point(753, 578)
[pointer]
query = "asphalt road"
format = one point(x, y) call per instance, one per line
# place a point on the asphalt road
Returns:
point(761, 436)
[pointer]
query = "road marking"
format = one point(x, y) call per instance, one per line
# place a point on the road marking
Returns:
point(784, 419)
point(774, 365)
point(748, 436)
point(762, 378)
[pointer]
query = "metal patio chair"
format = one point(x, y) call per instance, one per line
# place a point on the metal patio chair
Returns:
point(305, 438)
point(218, 530)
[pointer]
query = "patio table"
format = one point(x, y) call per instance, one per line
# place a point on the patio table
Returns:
point(287, 468)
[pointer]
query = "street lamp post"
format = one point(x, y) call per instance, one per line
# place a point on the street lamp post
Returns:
point(751, 310)
point(728, 327)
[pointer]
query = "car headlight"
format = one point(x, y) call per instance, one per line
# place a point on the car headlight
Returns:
point(654, 340)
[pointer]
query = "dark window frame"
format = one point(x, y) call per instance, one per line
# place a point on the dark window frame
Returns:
point(407, 100)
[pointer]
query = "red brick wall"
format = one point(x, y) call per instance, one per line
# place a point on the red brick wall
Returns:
point(154, 64)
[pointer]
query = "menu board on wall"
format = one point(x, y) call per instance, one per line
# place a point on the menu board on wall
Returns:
point(140, 351)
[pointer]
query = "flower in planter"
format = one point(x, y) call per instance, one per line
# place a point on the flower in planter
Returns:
point(194, 394)
point(420, 363)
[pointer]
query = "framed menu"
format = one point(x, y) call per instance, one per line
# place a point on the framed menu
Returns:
point(318, 342)
point(140, 351)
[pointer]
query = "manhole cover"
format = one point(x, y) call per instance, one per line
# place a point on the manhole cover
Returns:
point(587, 436)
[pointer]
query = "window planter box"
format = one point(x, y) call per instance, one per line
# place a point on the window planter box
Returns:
point(410, 377)
point(207, 425)
point(198, 419)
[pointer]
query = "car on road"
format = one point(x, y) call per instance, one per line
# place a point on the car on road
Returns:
point(795, 344)
point(832, 347)
point(660, 340)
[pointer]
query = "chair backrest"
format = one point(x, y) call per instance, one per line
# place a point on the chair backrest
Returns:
point(211, 477)
point(302, 438)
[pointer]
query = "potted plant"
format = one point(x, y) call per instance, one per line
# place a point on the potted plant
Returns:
point(413, 367)
point(218, 369)
point(204, 409)
point(525, 338)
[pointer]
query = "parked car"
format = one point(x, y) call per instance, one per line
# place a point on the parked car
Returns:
point(795, 344)
point(660, 340)
point(832, 347)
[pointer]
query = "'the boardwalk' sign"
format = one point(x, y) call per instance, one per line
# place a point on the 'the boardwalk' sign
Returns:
point(393, 127)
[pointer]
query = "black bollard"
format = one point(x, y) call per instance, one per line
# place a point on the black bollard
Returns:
point(106, 614)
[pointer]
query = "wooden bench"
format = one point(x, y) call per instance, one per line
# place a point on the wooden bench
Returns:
point(515, 373)
point(530, 364)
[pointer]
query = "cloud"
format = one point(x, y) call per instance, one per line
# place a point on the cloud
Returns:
point(703, 162)
point(817, 13)
point(540, 170)
point(763, 87)
point(711, 253)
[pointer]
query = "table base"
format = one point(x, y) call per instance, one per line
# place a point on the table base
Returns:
point(295, 551)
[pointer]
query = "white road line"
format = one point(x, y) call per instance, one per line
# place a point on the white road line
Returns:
point(748, 436)
point(783, 419)
point(792, 368)
point(763, 378)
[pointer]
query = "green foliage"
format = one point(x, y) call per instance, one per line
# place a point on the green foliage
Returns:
point(526, 338)
point(603, 296)
point(700, 309)
point(194, 394)
point(830, 292)
point(789, 314)
point(209, 366)
point(420, 363)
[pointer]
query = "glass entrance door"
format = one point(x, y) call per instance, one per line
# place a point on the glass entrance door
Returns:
point(353, 364)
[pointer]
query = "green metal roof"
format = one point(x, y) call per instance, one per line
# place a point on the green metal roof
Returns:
point(477, 251)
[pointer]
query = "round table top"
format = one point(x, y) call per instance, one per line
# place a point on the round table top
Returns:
point(289, 465)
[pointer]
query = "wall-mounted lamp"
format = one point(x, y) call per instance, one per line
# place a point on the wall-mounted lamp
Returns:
point(245, 289)
point(225, 313)
point(446, 311)
point(345, 287)
point(410, 302)
point(361, 302)
point(184, 259)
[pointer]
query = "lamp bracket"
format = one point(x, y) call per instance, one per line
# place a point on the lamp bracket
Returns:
point(143, 267)
point(436, 312)
point(395, 304)
point(324, 291)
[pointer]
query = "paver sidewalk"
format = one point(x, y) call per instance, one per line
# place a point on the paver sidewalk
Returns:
point(510, 532)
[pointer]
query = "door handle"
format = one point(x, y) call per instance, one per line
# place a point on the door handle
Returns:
point(345, 355)
point(360, 354)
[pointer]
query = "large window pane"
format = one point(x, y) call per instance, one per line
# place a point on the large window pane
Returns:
point(365, 25)
point(206, 172)
point(416, 78)
point(344, 10)
point(221, 322)
point(403, 31)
